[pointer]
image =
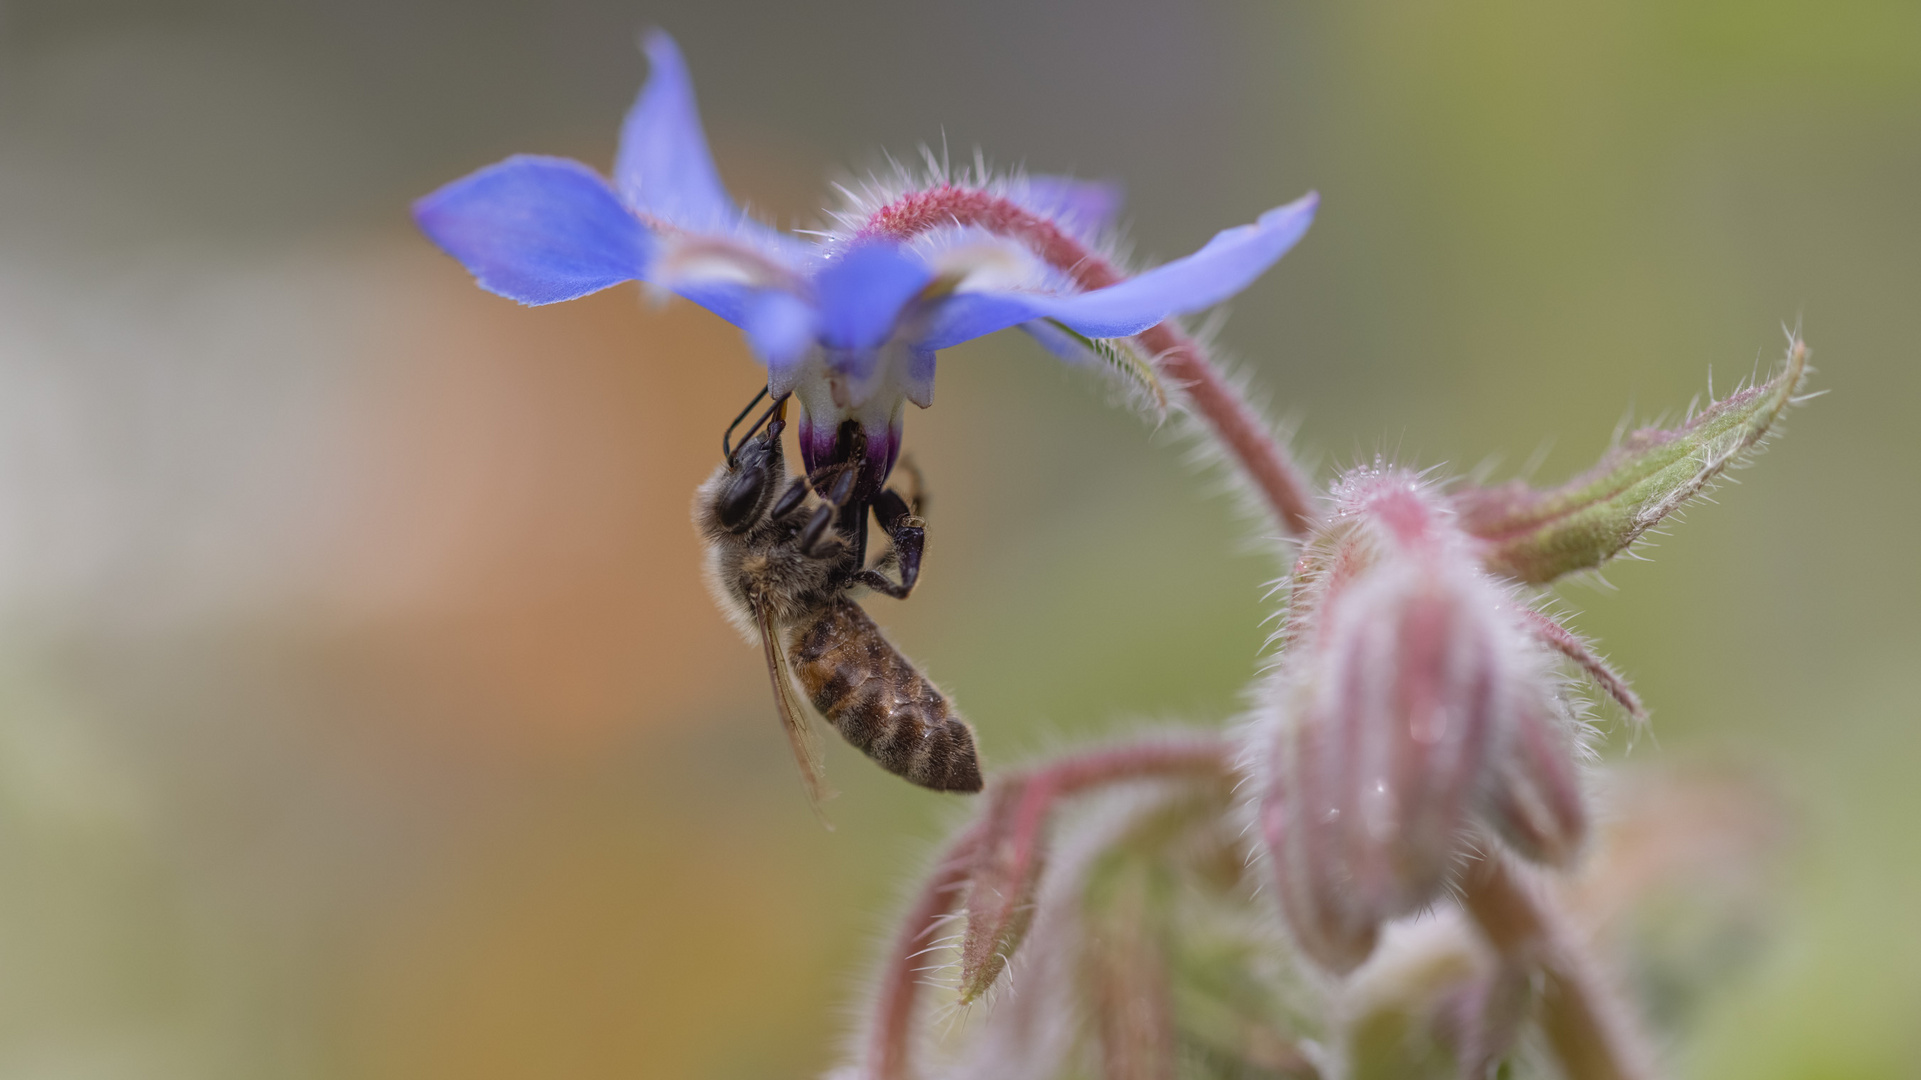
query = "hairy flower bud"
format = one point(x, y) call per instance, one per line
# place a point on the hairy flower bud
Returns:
point(1411, 707)
point(1537, 536)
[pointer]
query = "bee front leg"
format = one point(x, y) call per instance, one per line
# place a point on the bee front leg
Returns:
point(908, 534)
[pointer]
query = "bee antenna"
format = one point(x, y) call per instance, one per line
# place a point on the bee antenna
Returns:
point(726, 447)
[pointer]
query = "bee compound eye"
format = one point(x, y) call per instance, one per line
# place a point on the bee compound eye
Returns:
point(737, 501)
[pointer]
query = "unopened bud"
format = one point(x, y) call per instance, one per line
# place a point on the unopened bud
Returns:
point(1536, 536)
point(1409, 699)
point(1393, 737)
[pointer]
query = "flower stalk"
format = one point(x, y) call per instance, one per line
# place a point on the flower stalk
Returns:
point(890, 1043)
point(1591, 1030)
point(1241, 431)
point(1014, 841)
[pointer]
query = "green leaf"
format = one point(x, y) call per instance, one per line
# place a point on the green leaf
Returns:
point(1536, 536)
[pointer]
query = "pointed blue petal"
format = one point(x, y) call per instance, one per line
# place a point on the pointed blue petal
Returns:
point(966, 316)
point(1226, 265)
point(862, 293)
point(536, 229)
point(663, 166)
point(1229, 263)
point(730, 300)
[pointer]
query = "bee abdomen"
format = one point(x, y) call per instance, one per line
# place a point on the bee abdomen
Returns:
point(881, 704)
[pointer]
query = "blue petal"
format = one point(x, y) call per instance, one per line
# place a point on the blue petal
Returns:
point(663, 166)
point(730, 300)
point(1058, 341)
point(862, 293)
point(966, 316)
point(1084, 207)
point(781, 328)
point(536, 229)
point(1229, 263)
point(917, 382)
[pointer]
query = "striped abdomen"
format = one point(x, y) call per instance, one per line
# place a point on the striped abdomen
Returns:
point(880, 703)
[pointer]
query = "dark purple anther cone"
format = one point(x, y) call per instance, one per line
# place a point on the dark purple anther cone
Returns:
point(821, 446)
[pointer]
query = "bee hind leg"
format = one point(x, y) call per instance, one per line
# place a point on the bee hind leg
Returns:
point(909, 536)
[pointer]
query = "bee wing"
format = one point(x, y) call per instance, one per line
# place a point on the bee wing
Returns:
point(793, 718)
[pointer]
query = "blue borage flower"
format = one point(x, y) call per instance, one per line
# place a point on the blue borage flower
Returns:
point(847, 321)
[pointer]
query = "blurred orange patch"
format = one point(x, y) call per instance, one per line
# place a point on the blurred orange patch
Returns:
point(582, 948)
point(515, 559)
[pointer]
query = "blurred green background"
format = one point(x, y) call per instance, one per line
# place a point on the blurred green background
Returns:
point(362, 714)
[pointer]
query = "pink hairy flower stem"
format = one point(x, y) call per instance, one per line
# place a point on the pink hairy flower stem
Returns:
point(1180, 357)
point(891, 1042)
point(890, 1047)
point(1589, 1028)
point(1045, 786)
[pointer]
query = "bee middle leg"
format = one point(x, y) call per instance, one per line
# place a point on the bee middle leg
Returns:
point(908, 532)
point(815, 540)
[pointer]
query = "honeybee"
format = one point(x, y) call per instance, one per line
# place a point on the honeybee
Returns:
point(785, 575)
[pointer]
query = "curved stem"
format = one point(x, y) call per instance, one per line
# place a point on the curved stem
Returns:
point(1042, 788)
point(1233, 421)
point(1589, 1028)
point(891, 1042)
point(1239, 428)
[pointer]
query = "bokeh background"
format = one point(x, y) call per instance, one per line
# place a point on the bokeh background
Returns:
point(361, 711)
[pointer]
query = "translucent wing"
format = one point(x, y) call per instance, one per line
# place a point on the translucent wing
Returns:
point(793, 717)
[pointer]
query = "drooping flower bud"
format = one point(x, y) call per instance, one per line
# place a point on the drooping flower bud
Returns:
point(1410, 708)
point(1536, 536)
